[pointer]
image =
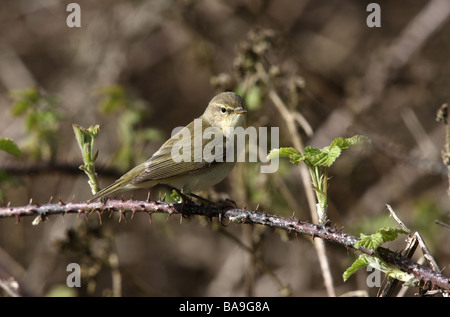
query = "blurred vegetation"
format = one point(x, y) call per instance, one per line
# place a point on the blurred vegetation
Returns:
point(141, 68)
point(10, 147)
point(131, 115)
point(41, 121)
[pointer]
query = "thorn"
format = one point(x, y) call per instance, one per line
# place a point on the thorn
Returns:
point(31, 201)
point(17, 219)
point(164, 197)
point(80, 212)
point(73, 198)
point(60, 202)
point(99, 217)
point(50, 200)
point(257, 206)
point(122, 214)
point(148, 196)
point(150, 217)
point(170, 213)
point(293, 214)
point(133, 211)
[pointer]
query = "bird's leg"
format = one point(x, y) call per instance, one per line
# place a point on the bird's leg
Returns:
point(184, 197)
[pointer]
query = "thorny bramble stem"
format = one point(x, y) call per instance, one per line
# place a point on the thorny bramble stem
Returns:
point(233, 215)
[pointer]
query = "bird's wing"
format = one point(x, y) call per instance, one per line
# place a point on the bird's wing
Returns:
point(182, 154)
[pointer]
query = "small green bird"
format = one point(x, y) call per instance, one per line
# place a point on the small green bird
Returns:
point(190, 170)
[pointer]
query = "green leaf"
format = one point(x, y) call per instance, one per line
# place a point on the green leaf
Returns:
point(20, 107)
point(9, 146)
point(85, 137)
point(253, 98)
point(176, 197)
point(24, 99)
point(323, 157)
point(41, 121)
point(373, 242)
point(344, 143)
point(377, 263)
point(319, 157)
point(295, 156)
point(390, 234)
point(357, 264)
point(382, 235)
point(150, 134)
point(275, 153)
point(115, 97)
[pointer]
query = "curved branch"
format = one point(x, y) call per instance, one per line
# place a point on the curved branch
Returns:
point(233, 215)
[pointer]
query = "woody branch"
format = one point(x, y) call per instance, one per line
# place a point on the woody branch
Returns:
point(235, 215)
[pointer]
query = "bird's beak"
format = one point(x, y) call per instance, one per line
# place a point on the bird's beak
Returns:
point(240, 111)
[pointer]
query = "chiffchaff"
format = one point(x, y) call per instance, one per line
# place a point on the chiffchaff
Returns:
point(193, 170)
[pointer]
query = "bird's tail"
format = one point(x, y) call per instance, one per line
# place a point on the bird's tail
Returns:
point(122, 184)
point(114, 187)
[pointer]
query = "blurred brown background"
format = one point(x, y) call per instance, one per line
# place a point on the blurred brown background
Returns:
point(386, 83)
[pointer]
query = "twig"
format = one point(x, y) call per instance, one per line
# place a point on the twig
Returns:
point(53, 167)
point(412, 243)
point(290, 120)
point(388, 288)
point(424, 142)
point(442, 116)
point(233, 215)
point(445, 225)
point(320, 246)
point(11, 287)
point(396, 218)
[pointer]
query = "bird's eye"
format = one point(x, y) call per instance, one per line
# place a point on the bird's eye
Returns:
point(223, 110)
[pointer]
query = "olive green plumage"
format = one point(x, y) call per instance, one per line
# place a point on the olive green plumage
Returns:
point(188, 171)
